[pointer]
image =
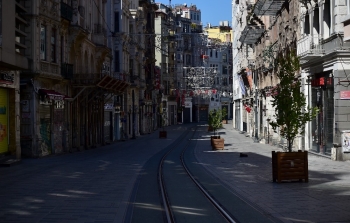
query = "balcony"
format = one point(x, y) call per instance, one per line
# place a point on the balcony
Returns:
point(251, 34)
point(99, 35)
point(308, 47)
point(66, 12)
point(268, 7)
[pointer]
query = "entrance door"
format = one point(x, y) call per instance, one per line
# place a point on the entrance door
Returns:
point(203, 113)
point(187, 115)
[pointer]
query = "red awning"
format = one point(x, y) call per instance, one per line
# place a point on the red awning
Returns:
point(53, 95)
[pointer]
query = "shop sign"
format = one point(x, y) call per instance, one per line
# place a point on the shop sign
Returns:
point(7, 78)
point(344, 94)
point(188, 104)
point(108, 106)
point(321, 81)
point(59, 104)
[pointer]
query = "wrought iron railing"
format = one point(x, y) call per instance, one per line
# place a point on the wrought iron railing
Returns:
point(66, 11)
point(67, 71)
point(309, 44)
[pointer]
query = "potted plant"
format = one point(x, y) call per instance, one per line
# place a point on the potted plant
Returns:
point(215, 121)
point(163, 132)
point(291, 116)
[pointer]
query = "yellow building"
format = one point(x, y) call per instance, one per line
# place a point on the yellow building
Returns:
point(222, 32)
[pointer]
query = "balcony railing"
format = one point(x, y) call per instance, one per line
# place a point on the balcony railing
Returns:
point(66, 11)
point(308, 47)
point(67, 71)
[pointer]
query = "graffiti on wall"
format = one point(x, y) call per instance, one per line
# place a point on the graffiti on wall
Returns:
point(45, 144)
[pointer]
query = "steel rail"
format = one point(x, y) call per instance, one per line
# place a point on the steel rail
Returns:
point(204, 191)
point(165, 198)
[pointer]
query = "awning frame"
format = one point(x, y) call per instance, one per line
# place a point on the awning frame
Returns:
point(268, 7)
point(251, 34)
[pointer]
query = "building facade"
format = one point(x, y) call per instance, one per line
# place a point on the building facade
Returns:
point(12, 61)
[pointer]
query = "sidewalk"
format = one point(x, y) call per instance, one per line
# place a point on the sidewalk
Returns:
point(325, 198)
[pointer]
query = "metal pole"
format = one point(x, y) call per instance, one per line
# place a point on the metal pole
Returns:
point(256, 107)
point(133, 115)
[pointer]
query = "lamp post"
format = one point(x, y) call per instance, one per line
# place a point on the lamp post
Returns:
point(252, 66)
point(133, 115)
point(268, 130)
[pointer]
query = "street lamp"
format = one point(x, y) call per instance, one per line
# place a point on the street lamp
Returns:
point(268, 130)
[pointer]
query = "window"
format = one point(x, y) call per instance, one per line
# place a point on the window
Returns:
point(224, 69)
point(116, 61)
point(43, 42)
point(116, 21)
point(131, 67)
point(327, 19)
point(224, 81)
point(307, 24)
point(224, 58)
point(53, 45)
point(216, 54)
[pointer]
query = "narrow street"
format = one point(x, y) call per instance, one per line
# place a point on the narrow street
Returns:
point(105, 184)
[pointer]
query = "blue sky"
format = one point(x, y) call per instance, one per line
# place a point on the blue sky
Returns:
point(213, 11)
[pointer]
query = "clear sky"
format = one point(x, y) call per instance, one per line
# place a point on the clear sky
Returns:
point(213, 11)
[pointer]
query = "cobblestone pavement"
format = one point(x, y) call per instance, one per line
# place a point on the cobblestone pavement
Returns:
point(89, 186)
point(95, 185)
point(325, 198)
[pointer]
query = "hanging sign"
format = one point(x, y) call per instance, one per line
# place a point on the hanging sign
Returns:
point(344, 94)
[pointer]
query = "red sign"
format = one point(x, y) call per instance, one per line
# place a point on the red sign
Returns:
point(344, 94)
point(317, 82)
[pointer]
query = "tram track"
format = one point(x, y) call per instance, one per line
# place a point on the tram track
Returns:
point(170, 212)
point(174, 188)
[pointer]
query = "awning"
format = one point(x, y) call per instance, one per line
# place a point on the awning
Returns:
point(268, 7)
point(251, 34)
point(112, 84)
point(53, 95)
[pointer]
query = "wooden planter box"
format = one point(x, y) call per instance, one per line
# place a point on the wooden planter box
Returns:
point(218, 144)
point(290, 166)
point(162, 134)
point(224, 121)
point(213, 137)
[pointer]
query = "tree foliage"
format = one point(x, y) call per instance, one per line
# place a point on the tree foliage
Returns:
point(289, 101)
point(215, 119)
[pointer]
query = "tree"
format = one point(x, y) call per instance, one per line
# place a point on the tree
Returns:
point(215, 119)
point(290, 103)
point(223, 114)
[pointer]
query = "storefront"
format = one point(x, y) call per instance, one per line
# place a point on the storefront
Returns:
point(4, 121)
point(322, 91)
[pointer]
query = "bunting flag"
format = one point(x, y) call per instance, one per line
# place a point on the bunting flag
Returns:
point(248, 109)
point(241, 83)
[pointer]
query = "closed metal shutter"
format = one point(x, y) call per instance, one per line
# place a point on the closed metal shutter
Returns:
point(107, 126)
point(45, 147)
